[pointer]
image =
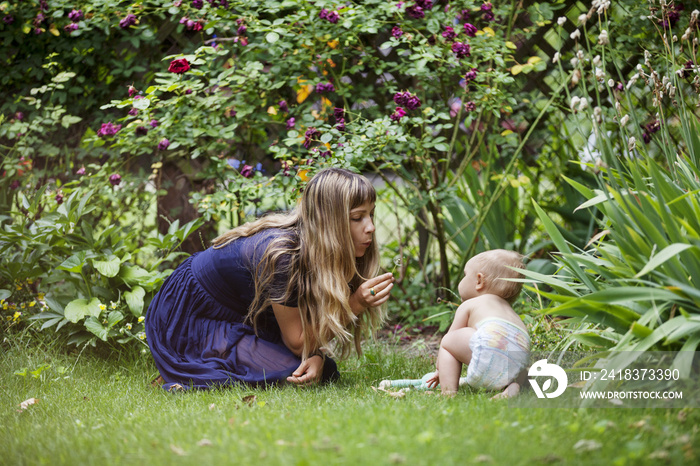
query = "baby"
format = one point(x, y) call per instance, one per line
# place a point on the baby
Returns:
point(486, 333)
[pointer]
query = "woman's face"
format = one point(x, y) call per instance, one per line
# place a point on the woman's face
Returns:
point(362, 227)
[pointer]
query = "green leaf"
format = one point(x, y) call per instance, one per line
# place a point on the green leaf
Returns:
point(667, 253)
point(326, 138)
point(108, 268)
point(142, 104)
point(114, 318)
point(94, 327)
point(79, 308)
point(74, 263)
point(134, 275)
point(134, 299)
point(272, 37)
point(68, 120)
point(4, 294)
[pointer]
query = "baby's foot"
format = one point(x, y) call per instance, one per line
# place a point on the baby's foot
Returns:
point(511, 391)
point(384, 384)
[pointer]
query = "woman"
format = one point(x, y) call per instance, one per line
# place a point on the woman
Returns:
point(259, 305)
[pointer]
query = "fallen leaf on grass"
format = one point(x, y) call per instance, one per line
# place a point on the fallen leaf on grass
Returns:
point(587, 445)
point(398, 394)
point(204, 443)
point(547, 459)
point(483, 459)
point(177, 450)
point(26, 403)
point(176, 388)
point(249, 400)
point(659, 455)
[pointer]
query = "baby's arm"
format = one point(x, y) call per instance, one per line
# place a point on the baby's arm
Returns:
point(461, 318)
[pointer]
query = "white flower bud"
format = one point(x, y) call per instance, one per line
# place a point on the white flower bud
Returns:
point(631, 144)
point(580, 54)
point(675, 38)
point(561, 20)
point(596, 60)
point(599, 74)
point(694, 15)
point(624, 120)
point(582, 18)
point(640, 68)
point(575, 101)
point(583, 104)
point(576, 34)
point(618, 107)
point(574, 62)
point(556, 57)
point(603, 38)
point(611, 82)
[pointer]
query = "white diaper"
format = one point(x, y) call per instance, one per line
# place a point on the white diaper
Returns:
point(500, 351)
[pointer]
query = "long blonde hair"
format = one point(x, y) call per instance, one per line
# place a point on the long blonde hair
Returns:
point(319, 260)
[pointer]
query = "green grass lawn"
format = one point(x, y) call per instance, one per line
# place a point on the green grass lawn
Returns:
point(101, 409)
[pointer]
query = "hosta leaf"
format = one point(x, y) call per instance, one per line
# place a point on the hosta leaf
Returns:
point(79, 308)
point(94, 327)
point(134, 299)
point(108, 268)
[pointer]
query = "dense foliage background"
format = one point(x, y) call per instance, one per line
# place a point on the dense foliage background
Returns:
point(132, 132)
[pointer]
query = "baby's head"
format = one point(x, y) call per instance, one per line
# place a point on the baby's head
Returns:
point(484, 273)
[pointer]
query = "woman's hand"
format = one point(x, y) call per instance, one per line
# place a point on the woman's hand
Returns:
point(372, 293)
point(308, 373)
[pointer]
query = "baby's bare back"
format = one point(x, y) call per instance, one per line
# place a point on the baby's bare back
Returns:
point(490, 305)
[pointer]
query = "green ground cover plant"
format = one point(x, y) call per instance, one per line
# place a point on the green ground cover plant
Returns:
point(100, 408)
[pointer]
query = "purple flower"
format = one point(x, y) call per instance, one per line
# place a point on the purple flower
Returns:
point(8, 19)
point(241, 29)
point(40, 17)
point(396, 31)
point(488, 16)
point(324, 87)
point(81, 171)
point(59, 198)
point(339, 113)
point(330, 16)
point(398, 114)
point(131, 90)
point(461, 50)
point(471, 75)
point(425, 4)
point(415, 12)
point(247, 171)
point(449, 33)
point(163, 144)
point(309, 136)
point(340, 125)
point(130, 20)
point(413, 102)
point(234, 163)
point(19, 116)
point(486, 6)
point(188, 91)
point(464, 16)
point(134, 111)
point(646, 137)
point(154, 123)
point(470, 29)
point(115, 179)
point(290, 123)
point(75, 15)
point(652, 127)
point(283, 106)
point(141, 131)
point(108, 129)
point(198, 4)
point(469, 106)
point(686, 71)
point(14, 184)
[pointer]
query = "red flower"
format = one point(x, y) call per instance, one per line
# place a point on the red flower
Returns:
point(179, 66)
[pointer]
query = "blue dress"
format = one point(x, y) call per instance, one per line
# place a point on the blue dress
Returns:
point(195, 324)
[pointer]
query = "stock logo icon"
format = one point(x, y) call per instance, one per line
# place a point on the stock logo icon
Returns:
point(553, 372)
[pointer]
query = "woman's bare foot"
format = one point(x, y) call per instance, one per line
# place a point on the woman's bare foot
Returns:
point(157, 382)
